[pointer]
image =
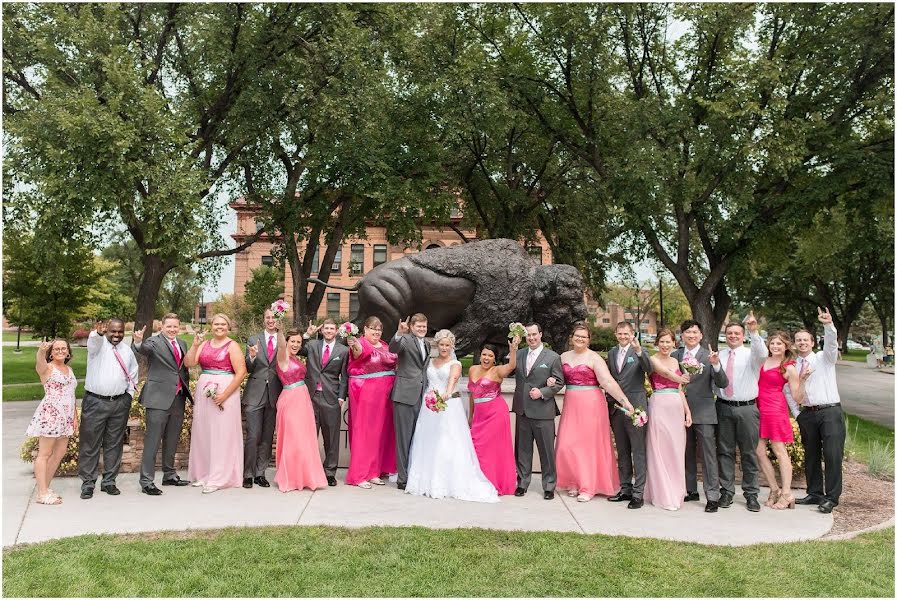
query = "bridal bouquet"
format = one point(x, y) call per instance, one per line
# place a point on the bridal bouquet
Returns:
point(639, 417)
point(435, 401)
point(211, 391)
point(691, 366)
point(348, 329)
point(516, 330)
point(279, 308)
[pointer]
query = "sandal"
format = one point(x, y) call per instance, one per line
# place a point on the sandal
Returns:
point(773, 498)
point(573, 493)
point(365, 485)
point(49, 498)
point(785, 501)
point(377, 481)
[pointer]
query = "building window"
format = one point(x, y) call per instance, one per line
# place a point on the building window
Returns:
point(645, 322)
point(268, 261)
point(337, 262)
point(315, 260)
point(356, 259)
point(605, 320)
point(353, 305)
point(258, 224)
point(202, 314)
point(535, 253)
point(433, 246)
point(379, 254)
point(333, 304)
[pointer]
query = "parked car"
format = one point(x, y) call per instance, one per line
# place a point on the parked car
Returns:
point(852, 345)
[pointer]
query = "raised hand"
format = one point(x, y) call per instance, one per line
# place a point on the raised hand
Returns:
point(825, 317)
point(514, 343)
point(198, 339)
point(100, 327)
point(138, 335)
point(635, 344)
point(253, 351)
point(45, 347)
point(312, 330)
point(714, 358)
point(751, 322)
point(404, 326)
point(806, 374)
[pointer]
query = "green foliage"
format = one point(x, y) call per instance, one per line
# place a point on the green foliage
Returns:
point(180, 293)
point(795, 450)
point(264, 287)
point(246, 320)
point(69, 464)
point(602, 338)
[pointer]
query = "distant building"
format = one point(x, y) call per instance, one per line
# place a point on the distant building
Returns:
point(612, 313)
point(355, 258)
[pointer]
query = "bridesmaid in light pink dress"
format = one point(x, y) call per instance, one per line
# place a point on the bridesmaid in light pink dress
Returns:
point(586, 465)
point(372, 437)
point(490, 429)
point(668, 416)
point(298, 459)
point(216, 436)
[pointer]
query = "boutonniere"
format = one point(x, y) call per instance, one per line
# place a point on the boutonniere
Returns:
point(629, 360)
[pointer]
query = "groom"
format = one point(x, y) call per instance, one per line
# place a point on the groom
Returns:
point(408, 389)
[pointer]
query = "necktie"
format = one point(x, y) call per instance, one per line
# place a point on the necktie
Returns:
point(177, 360)
point(803, 365)
point(121, 363)
point(326, 356)
point(423, 351)
point(621, 357)
point(730, 374)
point(270, 347)
point(530, 361)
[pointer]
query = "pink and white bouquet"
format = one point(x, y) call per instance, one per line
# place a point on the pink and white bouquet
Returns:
point(435, 401)
point(516, 330)
point(211, 391)
point(348, 329)
point(279, 307)
point(691, 366)
point(639, 417)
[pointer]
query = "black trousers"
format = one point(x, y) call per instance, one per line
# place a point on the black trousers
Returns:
point(822, 433)
point(102, 427)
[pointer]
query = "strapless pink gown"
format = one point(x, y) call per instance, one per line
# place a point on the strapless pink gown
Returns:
point(298, 460)
point(775, 420)
point(491, 434)
point(585, 454)
point(665, 445)
point(372, 435)
point(216, 436)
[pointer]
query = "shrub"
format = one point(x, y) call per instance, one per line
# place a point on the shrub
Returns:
point(795, 450)
point(880, 462)
point(69, 464)
point(603, 338)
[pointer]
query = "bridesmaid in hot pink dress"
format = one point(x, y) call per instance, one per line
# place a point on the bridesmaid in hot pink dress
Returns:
point(584, 453)
point(372, 437)
point(668, 416)
point(216, 436)
point(491, 421)
point(775, 420)
point(298, 460)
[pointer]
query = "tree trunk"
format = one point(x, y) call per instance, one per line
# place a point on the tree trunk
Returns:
point(300, 283)
point(154, 271)
point(710, 316)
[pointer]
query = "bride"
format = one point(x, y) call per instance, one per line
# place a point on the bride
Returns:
point(443, 463)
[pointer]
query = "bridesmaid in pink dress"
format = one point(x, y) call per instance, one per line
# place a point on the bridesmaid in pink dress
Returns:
point(775, 421)
point(298, 460)
point(668, 416)
point(372, 437)
point(491, 421)
point(584, 453)
point(216, 436)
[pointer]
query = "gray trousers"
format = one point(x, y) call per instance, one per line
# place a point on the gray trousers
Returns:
point(542, 432)
point(705, 435)
point(260, 422)
point(327, 421)
point(632, 459)
point(739, 426)
point(163, 427)
point(404, 418)
point(103, 424)
point(822, 434)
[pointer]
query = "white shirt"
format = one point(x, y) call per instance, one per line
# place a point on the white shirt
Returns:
point(745, 370)
point(821, 387)
point(532, 356)
point(104, 373)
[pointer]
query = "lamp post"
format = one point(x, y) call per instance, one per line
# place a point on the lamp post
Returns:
point(660, 293)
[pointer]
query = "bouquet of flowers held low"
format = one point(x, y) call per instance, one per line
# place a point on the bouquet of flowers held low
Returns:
point(279, 307)
point(691, 366)
point(516, 330)
point(348, 329)
point(639, 417)
point(210, 392)
point(435, 401)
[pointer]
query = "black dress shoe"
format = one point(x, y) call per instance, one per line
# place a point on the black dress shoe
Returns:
point(152, 490)
point(175, 481)
point(549, 495)
point(247, 482)
point(692, 497)
point(826, 506)
point(808, 500)
point(87, 494)
point(331, 480)
point(519, 492)
point(752, 504)
point(261, 481)
point(712, 506)
point(110, 489)
point(401, 486)
point(620, 497)
point(725, 500)
point(635, 503)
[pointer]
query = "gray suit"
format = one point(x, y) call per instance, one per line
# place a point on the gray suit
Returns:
point(334, 382)
point(407, 394)
point(535, 418)
point(702, 404)
point(164, 404)
point(259, 402)
point(629, 439)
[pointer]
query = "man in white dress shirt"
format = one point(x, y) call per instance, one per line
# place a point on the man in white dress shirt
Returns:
point(108, 390)
point(736, 407)
point(821, 419)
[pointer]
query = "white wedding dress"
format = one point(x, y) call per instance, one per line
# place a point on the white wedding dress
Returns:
point(443, 462)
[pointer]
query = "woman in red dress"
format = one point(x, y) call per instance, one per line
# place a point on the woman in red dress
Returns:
point(775, 421)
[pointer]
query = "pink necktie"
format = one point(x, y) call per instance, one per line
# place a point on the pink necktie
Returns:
point(530, 361)
point(177, 360)
point(270, 347)
point(621, 356)
point(324, 359)
point(730, 371)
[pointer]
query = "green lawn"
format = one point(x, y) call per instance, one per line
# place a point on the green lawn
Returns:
point(862, 435)
point(418, 562)
point(18, 367)
point(855, 356)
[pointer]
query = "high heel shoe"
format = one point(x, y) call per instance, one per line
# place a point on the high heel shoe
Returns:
point(785, 501)
point(774, 496)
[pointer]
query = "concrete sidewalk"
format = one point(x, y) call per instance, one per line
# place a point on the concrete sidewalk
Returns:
point(184, 508)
